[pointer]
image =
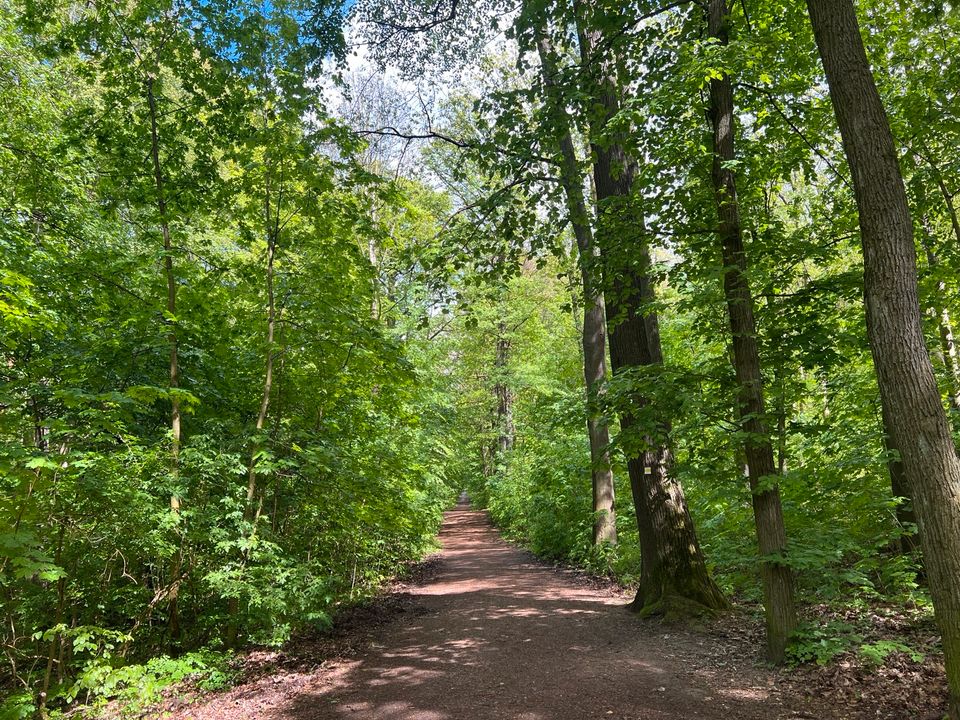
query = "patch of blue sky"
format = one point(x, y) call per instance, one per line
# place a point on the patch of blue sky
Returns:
point(237, 31)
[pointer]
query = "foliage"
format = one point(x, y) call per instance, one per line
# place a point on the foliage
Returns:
point(128, 561)
point(851, 539)
point(876, 653)
point(355, 344)
point(822, 643)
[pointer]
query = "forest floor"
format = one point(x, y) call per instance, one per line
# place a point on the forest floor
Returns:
point(484, 631)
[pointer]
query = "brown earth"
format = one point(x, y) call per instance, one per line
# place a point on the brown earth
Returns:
point(489, 632)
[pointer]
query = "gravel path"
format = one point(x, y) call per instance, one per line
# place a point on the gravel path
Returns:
point(494, 634)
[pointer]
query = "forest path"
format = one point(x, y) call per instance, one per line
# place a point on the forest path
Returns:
point(494, 634)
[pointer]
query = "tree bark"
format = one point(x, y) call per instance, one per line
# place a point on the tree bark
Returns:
point(899, 488)
point(777, 577)
point(594, 375)
point(502, 392)
point(593, 337)
point(172, 341)
point(948, 347)
point(674, 576)
point(908, 388)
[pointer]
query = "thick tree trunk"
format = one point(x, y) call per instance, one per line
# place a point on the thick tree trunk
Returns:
point(674, 578)
point(594, 324)
point(781, 614)
point(174, 381)
point(908, 388)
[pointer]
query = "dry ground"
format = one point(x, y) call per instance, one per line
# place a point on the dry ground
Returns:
point(486, 632)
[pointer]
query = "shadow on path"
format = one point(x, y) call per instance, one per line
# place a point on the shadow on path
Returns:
point(498, 635)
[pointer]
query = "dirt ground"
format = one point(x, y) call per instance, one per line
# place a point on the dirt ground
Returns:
point(488, 632)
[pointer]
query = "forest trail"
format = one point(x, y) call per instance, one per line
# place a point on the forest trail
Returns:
point(494, 634)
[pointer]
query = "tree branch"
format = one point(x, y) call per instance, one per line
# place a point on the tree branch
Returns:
point(389, 131)
point(423, 27)
point(793, 126)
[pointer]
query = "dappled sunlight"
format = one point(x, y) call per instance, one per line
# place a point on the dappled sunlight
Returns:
point(644, 665)
point(407, 674)
point(576, 611)
point(389, 711)
point(758, 694)
point(514, 612)
point(502, 637)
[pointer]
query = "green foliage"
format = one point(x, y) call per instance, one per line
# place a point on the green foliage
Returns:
point(845, 529)
point(130, 688)
point(122, 556)
point(18, 706)
point(876, 653)
point(820, 644)
point(424, 341)
point(134, 687)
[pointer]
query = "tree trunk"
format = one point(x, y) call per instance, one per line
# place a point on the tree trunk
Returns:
point(908, 388)
point(594, 375)
point(486, 460)
point(674, 578)
point(56, 642)
point(781, 423)
point(777, 577)
point(268, 364)
point(502, 392)
point(252, 510)
point(948, 348)
point(944, 191)
point(594, 329)
point(906, 517)
point(174, 382)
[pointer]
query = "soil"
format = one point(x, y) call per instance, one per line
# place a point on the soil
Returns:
point(485, 631)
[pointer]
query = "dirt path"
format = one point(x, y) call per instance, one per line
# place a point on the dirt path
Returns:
point(493, 634)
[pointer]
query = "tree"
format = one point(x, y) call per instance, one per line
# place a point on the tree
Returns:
point(757, 446)
point(675, 576)
point(908, 388)
point(140, 158)
point(593, 336)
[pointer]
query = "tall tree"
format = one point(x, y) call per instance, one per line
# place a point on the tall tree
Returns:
point(674, 571)
point(908, 388)
point(593, 334)
point(781, 615)
point(503, 393)
point(171, 318)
